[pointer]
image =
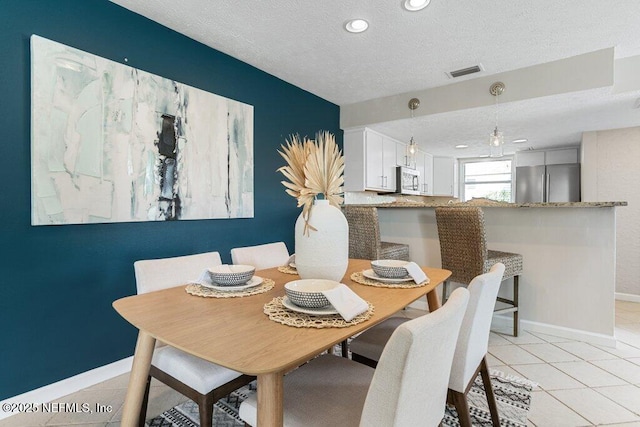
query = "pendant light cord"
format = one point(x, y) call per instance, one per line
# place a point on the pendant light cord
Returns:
point(496, 113)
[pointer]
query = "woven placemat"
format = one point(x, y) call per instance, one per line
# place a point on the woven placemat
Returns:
point(279, 313)
point(358, 277)
point(287, 269)
point(203, 291)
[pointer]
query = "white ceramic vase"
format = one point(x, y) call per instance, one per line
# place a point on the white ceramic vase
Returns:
point(323, 253)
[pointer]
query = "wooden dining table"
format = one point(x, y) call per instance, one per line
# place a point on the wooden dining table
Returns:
point(235, 333)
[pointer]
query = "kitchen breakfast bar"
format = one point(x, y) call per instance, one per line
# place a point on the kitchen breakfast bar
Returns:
point(567, 287)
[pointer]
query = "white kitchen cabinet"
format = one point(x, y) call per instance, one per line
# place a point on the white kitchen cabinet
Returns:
point(529, 158)
point(424, 163)
point(561, 156)
point(370, 161)
point(374, 172)
point(389, 163)
point(444, 176)
point(558, 156)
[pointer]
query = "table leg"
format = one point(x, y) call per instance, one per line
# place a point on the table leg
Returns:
point(270, 397)
point(433, 301)
point(138, 379)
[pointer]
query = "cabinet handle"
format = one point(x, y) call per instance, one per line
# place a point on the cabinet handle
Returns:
point(385, 182)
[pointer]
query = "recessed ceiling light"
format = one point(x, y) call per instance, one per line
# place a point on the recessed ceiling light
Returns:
point(519, 141)
point(462, 146)
point(483, 155)
point(415, 5)
point(356, 25)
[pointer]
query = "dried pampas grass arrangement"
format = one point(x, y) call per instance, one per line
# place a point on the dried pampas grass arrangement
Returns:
point(313, 168)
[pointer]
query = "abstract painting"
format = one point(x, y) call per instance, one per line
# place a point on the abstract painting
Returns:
point(112, 143)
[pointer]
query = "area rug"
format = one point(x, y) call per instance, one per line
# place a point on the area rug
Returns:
point(513, 397)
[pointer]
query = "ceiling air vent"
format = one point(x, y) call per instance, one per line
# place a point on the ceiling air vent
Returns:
point(465, 71)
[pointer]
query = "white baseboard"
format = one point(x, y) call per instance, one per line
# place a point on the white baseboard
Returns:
point(506, 323)
point(70, 385)
point(627, 297)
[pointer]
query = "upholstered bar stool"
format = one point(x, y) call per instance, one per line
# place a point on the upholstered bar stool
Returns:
point(463, 247)
point(364, 236)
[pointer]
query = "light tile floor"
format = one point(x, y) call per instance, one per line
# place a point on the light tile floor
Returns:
point(579, 384)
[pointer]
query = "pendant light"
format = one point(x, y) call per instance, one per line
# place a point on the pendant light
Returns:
point(496, 138)
point(412, 148)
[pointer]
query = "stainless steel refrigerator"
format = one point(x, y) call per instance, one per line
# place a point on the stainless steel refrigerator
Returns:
point(550, 183)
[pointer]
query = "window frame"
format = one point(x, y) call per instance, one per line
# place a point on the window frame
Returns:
point(462, 175)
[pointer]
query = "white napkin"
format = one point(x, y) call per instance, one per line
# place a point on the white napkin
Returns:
point(203, 279)
point(346, 302)
point(415, 272)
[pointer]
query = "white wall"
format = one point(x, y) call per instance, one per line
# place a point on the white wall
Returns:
point(611, 172)
point(568, 279)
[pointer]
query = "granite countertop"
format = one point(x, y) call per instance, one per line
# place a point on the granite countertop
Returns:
point(494, 204)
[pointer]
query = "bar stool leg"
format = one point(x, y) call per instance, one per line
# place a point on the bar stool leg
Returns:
point(444, 291)
point(516, 319)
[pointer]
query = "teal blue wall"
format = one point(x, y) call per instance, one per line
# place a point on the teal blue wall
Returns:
point(57, 283)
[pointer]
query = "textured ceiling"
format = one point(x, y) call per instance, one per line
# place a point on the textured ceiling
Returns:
point(402, 52)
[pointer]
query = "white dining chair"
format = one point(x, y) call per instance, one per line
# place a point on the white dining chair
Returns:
point(471, 348)
point(408, 388)
point(473, 341)
point(261, 256)
point(201, 381)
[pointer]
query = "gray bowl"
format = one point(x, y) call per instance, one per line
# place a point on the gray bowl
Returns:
point(231, 275)
point(390, 268)
point(307, 292)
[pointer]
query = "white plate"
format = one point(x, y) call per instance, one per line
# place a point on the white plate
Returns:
point(306, 310)
point(370, 274)
point(254, 281)
point(292, 264)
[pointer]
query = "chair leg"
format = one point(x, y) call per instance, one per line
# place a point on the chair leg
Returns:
point(444, 291)
point(515, 304)
point(488, 389)
point(205, 408)
point(462, 408)
point(206, 416)
point(345, 348)
point(145, 401)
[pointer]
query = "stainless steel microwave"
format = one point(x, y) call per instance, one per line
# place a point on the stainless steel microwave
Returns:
point(407, 180)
